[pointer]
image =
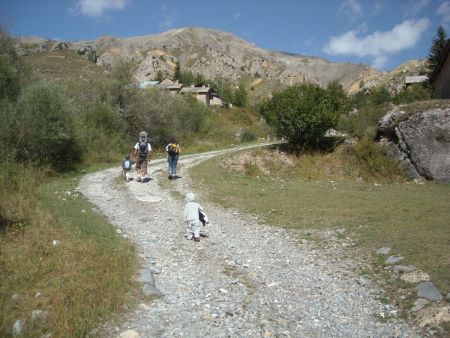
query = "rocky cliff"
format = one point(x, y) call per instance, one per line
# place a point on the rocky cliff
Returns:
point(213, 53)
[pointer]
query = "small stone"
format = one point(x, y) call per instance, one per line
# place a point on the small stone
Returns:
point(15, 297)
point(419, 304)
point(404, 268)
point(18, 327)
point(394, 259)
point(223, 291)
point(38, 314)
point(56, 242)
point(37, 295)
point(150, 290)
point(415, 277)
point(383, 250)
point(83, 211)
point(428, 291)
point(245, 265)
point(130, 334)
point(118, 231)
point(146, 276)
point(231, 263)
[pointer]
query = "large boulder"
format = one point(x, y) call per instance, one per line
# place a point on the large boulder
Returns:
point(422, 140)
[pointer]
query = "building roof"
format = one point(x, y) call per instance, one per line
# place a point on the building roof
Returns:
point(198, 90)
point(441, 62)
point(147, 83)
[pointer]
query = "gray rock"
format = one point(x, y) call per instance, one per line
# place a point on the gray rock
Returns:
point(428, 291)
point(388, 122)
point(423, 139)
point(17, 328)
point(419, 304)
point(383, 250)
point(394, 259)
point(448, 296)
point(38, 314)
point(146, 276)
point(404, 268)
point(150, 290)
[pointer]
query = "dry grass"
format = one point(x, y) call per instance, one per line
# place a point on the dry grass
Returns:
point(85, 278)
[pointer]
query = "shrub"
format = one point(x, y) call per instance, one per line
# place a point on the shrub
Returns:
point(303, 113)
point(40, 128)
point(415, 92)
point(164, 116)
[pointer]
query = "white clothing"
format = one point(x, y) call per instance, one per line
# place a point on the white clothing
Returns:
point(191, 208)
point(149, 147)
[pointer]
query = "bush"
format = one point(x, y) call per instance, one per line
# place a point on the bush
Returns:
point(164, 116)
point(304, 113)
point(40, 128)
point(415, 92)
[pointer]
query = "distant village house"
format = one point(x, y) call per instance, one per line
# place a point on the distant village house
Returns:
point(201, 92)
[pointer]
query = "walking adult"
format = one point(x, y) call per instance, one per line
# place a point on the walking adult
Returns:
point(141, 152)
point(173, 153)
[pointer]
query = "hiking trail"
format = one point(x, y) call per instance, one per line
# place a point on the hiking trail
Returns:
point(244, 280)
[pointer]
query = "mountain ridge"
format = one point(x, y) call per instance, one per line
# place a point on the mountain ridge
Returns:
point(218, 54)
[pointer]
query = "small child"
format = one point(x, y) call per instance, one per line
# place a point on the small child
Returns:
point(192, 217)
point(126, 167)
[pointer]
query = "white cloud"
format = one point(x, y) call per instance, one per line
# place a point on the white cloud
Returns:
point(351, 8)
point(378, 45)
point(96, 8)
point(444, 11)
point(236, 16)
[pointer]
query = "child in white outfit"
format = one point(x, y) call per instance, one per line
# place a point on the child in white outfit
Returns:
point(191, 216)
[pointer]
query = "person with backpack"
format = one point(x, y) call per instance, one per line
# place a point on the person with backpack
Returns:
point(173, 152)
point(141, 152)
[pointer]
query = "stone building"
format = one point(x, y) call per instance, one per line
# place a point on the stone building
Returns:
point(441, 76)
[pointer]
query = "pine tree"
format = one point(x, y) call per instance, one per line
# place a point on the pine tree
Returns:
point(436, 50)
point(177, 73)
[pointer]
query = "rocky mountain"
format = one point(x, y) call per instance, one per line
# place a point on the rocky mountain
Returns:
point(214, 54)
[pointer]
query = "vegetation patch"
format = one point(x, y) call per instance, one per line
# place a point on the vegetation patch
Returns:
point(66, 261)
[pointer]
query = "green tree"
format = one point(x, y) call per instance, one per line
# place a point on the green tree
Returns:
point(177, 73)
point(303, 113)
point(13, 73)
point(41, 127)
point(437, 48)
point(240, 96)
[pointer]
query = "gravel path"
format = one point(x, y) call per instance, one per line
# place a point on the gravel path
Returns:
point(244, 280)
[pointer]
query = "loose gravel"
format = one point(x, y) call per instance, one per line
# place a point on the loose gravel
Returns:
point(244, 280)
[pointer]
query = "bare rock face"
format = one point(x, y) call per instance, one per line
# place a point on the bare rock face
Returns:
point(421, 139)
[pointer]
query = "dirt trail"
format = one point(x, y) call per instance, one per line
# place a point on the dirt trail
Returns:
point(244, 280)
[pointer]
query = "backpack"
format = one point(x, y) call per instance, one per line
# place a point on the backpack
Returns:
point(127, 164)
point(143, 150)
point(174, 148)
point(203, 218)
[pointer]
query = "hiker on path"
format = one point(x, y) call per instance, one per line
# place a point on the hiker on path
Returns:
point(192, 217)
point(141, 152)
point(173, 152)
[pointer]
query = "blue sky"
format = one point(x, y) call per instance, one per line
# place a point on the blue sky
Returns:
point(380, 33)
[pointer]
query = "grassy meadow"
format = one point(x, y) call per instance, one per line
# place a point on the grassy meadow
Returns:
point(314, 192)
